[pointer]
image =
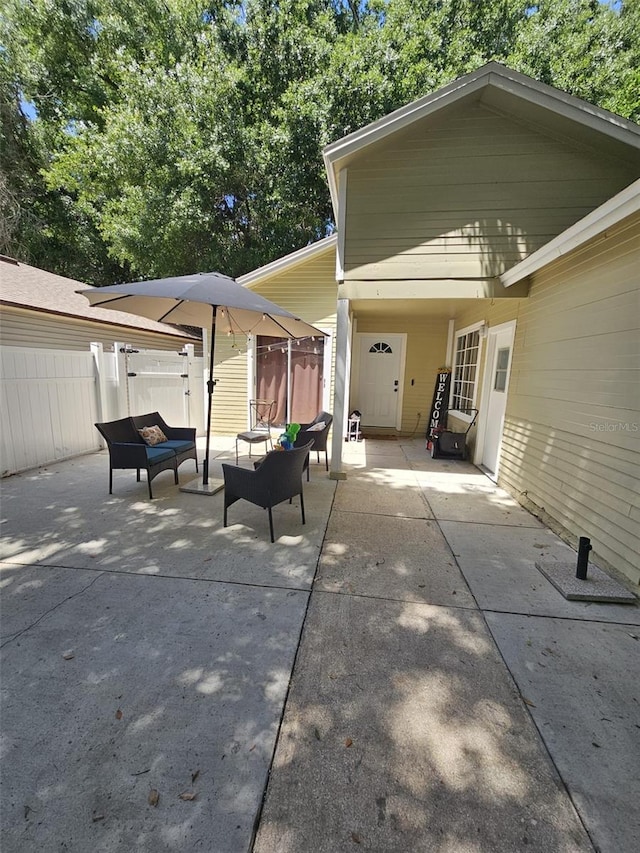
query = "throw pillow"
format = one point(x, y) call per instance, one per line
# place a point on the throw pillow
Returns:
point(152, 435)
point(317, 427)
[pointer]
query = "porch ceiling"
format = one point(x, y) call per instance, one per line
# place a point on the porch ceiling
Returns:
point(444, 309)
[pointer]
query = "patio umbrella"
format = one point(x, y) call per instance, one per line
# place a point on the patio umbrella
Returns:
point(208, 300)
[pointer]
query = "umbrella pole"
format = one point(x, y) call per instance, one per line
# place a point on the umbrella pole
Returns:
point(210, 387)
point(205, 487)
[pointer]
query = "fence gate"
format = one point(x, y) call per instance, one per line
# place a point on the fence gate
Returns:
point(167, 382)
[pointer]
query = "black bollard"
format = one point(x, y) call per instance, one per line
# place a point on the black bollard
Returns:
point(584, 546)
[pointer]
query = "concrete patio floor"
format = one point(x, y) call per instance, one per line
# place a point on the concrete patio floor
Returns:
point(396, 675)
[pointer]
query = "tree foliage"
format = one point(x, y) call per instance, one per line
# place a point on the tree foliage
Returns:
point(179, 135)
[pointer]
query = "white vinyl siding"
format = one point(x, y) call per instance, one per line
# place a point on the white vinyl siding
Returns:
point(467, 194)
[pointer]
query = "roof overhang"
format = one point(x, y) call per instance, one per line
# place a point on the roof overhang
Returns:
point(168, 331)
point(507, 88)
point(613, 211)
point(288, 262)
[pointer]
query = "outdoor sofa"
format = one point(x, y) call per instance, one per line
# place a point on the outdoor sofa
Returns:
point(129, 450)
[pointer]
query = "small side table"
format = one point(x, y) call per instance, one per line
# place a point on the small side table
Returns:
point(353, 429)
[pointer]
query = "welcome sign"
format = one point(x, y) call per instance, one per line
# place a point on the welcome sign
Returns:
point(440, 402)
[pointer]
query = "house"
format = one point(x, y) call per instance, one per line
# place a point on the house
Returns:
point(492, 227)
point(39, 309)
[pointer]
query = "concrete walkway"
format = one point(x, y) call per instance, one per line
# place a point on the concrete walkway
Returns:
point(394, 676)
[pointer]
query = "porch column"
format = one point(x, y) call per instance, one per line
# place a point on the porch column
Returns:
point(341, 389)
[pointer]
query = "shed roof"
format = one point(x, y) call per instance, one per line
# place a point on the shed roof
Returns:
point(24, 286)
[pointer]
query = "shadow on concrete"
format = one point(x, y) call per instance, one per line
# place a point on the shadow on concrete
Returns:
point(404, 732)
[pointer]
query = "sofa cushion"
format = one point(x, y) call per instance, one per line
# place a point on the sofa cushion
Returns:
point(152, 435)
point(177, 445)
point(159, 454)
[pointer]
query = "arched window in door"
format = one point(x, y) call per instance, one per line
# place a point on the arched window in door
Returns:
point(381, 347)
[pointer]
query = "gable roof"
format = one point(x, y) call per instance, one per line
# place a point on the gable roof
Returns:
point(503, 88)
point(288, 262)
point(24, 286)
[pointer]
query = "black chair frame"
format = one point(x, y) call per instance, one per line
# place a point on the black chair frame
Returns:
point(128, 451)
point(276, 479)
point(174, 434)
point(317, 437)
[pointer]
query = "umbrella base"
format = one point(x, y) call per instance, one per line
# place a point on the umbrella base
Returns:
point(197, 487)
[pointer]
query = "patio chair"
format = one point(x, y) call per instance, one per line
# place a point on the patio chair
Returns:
point(276, 479)
point(262, 413)
point(317, 431)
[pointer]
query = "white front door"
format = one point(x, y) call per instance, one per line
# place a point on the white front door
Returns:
point(499, 349)
point(381, 364)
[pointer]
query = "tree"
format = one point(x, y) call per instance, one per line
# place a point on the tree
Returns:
point(436, 41)
point(586, 48)
point(180, 135)
point(43, 227)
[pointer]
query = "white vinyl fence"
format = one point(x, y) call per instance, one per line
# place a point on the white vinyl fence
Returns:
point(51, 399)
point(167, 382)
point(48, 405)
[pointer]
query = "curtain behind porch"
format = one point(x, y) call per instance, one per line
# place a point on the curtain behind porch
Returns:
point(306, 379)
point(305, 382)
point(271, 375)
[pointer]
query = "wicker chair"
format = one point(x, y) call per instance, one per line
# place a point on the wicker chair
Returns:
point(318, 437)
point(276, 479)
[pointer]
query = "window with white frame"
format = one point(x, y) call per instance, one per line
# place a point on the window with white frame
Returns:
point(465, 370)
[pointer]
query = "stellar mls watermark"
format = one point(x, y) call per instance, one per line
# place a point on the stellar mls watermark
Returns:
point(615, 426)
